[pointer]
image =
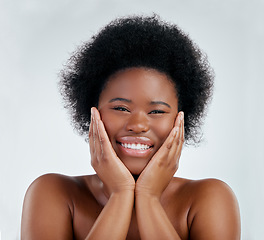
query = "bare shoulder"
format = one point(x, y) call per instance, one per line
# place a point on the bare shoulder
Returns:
point(48, 207)
point(50, 180)
point(210, 188)
point(60, 184)
point(214, 211)
point(204, 190)
point(52, 186)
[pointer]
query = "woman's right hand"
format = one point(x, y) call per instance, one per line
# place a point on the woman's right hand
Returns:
point(109, 168)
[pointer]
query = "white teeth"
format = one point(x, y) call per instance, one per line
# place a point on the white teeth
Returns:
point(135, 146)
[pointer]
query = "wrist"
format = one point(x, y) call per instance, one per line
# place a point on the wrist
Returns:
point(143, 194)
point(146, 201)
point(119, 189)
point(123, 193)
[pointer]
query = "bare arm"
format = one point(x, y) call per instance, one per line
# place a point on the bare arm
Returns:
point(215, 213)
point(152, 220)
point(46, 210)
point(114, 220)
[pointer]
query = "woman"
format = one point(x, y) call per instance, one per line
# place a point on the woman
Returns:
point(138, 89)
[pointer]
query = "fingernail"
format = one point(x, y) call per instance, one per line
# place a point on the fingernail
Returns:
point(182, 115)
point(92, 115)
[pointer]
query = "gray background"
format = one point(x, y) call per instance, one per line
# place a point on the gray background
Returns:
point(36, 137)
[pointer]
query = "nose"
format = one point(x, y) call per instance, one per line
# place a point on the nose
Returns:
point(137, 123)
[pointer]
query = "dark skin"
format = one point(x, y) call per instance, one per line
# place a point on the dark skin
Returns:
point(136, 139)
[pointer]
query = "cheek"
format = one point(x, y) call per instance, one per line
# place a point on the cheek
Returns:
point(163, 132)
point(109, 127)
point(111, 123)
point(164, 128)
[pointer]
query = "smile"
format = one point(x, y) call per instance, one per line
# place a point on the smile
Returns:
point(137, 150)
point(135, 146)
point(131, 146)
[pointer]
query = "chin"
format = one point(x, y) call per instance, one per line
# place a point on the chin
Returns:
point(136, 166)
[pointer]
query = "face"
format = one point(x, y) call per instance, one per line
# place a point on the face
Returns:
point(138, 107)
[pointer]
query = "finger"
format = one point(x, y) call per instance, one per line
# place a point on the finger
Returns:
point(105, 144)
point(97, 138)
point(176, 130)
point(181, 122)
point(170, 139)
point(95, 147)
point(178, 120)
point(181, 138)
point(161, 156)
point(172, 135)
point(91, 141)
point(172, 154)
point(175, 133)
point(178, 143)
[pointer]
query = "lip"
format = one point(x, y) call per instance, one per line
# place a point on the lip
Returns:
point(135, 140)
point(134, 152)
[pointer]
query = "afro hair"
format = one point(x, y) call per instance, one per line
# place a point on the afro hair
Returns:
point(138, 41)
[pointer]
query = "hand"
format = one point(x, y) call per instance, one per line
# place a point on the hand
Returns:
point(109, 168)
point(158, 173)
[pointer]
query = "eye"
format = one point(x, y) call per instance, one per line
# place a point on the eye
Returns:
point(157, 112)
point(119, 108)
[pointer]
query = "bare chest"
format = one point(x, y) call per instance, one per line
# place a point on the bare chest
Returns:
point(85, 217)
point(176, 202)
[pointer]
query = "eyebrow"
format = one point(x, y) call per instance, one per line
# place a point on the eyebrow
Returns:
point(160, 102)
point(129, 101)
point(120, 99)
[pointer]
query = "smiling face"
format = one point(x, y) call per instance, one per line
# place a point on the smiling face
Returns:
point(138, 107)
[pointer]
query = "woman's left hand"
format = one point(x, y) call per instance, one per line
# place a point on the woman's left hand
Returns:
point(158, 173)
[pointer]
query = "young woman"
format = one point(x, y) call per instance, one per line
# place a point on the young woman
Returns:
point(138, 89)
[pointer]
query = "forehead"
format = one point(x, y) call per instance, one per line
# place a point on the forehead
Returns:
point(140, 82)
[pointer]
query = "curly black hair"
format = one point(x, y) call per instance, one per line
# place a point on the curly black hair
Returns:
point(138, 41)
